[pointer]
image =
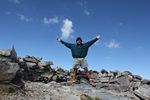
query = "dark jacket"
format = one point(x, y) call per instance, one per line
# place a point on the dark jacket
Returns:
point(79, 51)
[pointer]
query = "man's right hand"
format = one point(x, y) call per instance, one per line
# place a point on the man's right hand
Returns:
point(59, 39)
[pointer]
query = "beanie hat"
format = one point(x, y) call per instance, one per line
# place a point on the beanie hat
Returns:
point(78, 38)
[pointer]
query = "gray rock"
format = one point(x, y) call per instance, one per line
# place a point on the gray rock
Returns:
point(8, 59)
point(104, 71)
point(6, 53)
point(115, 73)
point(104, 79)
point(83, 97)
point(98, 85)
point(123, 82)
point(103, 75)
point(143, 92)
point(145, 81)
point(71, 97)
point(130, 78)
point(31, 64)
point(114, 87)
point(47, 97)
point(55, 78)
point(111, 75)
point(127, 72)
point(94, 76)
point(59, 69)
point(119, 75)
point(137, 77)
point(56, 91)
point(45, 63)
point(134, 85)
point(83, 80)
point(31, 59)
point(8, 71)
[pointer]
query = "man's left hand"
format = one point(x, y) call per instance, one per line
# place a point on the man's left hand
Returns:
point(98, 37)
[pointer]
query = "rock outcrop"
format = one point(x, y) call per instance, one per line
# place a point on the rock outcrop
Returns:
point(8, 71)
point(30, 77)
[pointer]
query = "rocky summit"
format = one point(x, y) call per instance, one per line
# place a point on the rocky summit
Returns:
point(31, 78)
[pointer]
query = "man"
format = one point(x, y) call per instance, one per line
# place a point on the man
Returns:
point(79, 52)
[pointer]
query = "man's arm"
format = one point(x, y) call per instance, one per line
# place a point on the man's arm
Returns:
point(89, 43)
point(65, 43)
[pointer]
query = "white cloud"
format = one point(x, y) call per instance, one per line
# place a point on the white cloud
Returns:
point(66, 28)
point(53, 20)
point(24, 18)
point(83, 5)
point(86, 12)
point(15, 1)
point(72, 36)
point(113, 44)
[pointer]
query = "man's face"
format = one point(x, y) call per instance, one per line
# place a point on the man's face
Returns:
point(79, 42)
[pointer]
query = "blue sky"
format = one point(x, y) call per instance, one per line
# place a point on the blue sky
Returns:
point(124, 25)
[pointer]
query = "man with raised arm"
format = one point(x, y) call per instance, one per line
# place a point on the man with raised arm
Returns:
point(79, 52)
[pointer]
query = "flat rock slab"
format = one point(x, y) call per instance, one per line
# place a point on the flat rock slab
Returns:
point(56, 91)
point(30, 60)
point(123, 81)
point(105, 79)
point(143, 92)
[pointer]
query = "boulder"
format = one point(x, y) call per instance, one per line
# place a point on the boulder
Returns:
point(55, 78)
point(134, 85)
point(104, 79)
point(137, 78)
point(35, 69)
point(127, 73)
point(59, 70)
point(119, 74)
point(94, 75)
point(45, 63)
point(123, 82)
point(103, 75)
point(6, 53)
point(31, 59)
point(84, 81)
point(104, 71)
point(143, 92)
point(145, 81)
point(31, 65)
point(111, 75)
point(8, 71)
